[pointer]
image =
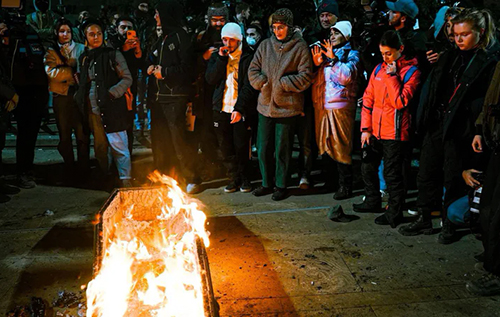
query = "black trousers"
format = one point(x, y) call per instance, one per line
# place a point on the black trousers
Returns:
point(490, 215)
point(234, 144)
point(69, 119)
point(392, 152)
point(29, 112)
point(344, 171)
point(307, 143)
point(168, 139)
point(440, 166)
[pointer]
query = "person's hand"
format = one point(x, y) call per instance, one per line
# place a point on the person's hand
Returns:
point(391, 69)
point(157, 72)
point(469, 180)
point(208, 53)
point(3, 28)
point(224, 51)
point(327, 45)
point(365, 138)
point(151, 69)
point(317, 55)
point(12, 104)
point(477, 144)
point(65, 49)
point(432, 57)
point(235, 117)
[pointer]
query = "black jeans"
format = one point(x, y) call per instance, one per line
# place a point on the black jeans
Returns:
point(69, 119)
point(29, 112)
point(490, 215)
point(234, 144)
point(168, 139)
point(392, 152)
point(440, 166)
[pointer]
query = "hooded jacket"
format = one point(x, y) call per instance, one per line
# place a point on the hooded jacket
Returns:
point(385, 111)
point(281, 72)
point(216, 75)
point(175, 54)
point(42, 22)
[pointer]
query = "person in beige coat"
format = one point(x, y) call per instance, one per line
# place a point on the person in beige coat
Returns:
point(60, 65)
point(281, 70)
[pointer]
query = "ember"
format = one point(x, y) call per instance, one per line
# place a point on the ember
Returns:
point(150, 260)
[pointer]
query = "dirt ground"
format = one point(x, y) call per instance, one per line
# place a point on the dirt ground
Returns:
point(266, 258)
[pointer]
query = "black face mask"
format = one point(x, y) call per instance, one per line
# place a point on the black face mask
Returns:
point(42, 5)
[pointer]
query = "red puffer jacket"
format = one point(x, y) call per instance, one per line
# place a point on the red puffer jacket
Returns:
point(385, 111)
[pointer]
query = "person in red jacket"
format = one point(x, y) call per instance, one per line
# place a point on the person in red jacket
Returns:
point(385, 123)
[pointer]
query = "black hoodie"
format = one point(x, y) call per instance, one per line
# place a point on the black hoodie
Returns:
point(175, 53)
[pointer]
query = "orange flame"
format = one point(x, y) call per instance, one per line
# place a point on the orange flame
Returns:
point(151, 267)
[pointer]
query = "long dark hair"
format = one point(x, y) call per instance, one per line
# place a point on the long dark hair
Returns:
point(391, 39)
point(59, 23)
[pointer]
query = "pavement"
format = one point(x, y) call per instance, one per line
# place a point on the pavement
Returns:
point(266, 258)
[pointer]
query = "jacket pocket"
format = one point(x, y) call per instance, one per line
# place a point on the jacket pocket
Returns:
point(265, 95)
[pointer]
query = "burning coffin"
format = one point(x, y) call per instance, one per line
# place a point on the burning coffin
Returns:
point(150, 257)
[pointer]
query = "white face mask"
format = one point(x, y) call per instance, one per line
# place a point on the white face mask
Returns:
point(251, 41)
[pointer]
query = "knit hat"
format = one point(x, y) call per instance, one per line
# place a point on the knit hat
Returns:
point(218, 9)
point(407, 7)
point(328, 6)
point(231, 30)
point(344, 27)
point(282, 16)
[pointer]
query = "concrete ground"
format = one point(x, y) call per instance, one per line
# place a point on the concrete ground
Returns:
point(266, 258)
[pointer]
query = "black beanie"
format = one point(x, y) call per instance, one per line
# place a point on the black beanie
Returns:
point(328, 6)
point(218, 9)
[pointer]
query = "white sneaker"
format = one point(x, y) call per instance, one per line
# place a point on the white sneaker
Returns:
point(193, 189)
point(304, 183)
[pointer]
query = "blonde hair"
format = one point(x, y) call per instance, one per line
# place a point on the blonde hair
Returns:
point(481, 21)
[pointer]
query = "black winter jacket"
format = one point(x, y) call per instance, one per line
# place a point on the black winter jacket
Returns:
point(464, 105)
point(177, 59)
point(215, 74)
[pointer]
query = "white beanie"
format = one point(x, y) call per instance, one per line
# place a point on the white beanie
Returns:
point(344, 27)
point(232, 30)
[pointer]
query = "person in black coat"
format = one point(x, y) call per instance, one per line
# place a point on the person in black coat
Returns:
point(451, 101)
point(234, 105)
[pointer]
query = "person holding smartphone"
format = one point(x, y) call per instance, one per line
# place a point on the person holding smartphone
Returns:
point(128, 43)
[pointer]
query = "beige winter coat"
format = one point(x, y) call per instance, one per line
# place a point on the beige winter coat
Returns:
point(281, 72)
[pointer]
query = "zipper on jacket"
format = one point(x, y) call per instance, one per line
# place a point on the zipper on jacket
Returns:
point(157, 80)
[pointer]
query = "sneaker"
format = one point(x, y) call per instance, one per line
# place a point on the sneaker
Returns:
point(25, 181)
point(367, 207)
point(262, 191)
point(304, 183)
point(343, 193)
point(231, 187)
point(447, 234)
point(279, 194)
point(246, 186)
point(488, 285)
point(192, 189)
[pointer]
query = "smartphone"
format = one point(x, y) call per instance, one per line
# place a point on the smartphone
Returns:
point(131, 35)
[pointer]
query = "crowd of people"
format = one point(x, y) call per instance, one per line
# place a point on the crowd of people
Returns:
point(239, 83)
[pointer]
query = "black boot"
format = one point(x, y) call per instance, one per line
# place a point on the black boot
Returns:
point(375, 207)
point(447, 234)
point(343, 193)
point(423, 225)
